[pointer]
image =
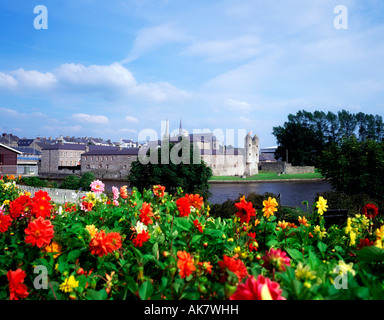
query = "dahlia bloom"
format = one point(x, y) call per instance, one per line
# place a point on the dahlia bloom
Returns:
point(183, 206)
point(198, 225)
point(115, 192)
point(276, 259)
point(41, 207)
point(158, 191)
point(234, 265)
point(19, 206)
point(303, 220)
point(101, 243)
point(124, 192)
point(370, 210)
point(141, 237)
point(97, 187)
point(5, 220)
point(195, 200)
point(43, 195)
point(261, 289)
point(17, 289)
point(185, 264)
point(321, 205)
point(69, 284)
point(269, 207)
point(246, 210)
point(39, 232)
point(146, 214)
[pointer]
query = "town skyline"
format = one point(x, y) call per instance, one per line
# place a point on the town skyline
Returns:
point(113, 69)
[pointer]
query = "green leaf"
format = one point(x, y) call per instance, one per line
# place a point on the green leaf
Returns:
point(182, 223)
point(97, 295)
point(155, 250)
point(73, 255)
point(295, 254)
point(370, 254)
point(322, 246)
point(145, 290)
point(196, 238)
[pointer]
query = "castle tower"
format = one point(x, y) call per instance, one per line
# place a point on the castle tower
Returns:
point(251, 154)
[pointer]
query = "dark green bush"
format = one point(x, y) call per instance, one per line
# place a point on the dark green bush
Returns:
point(71, 182)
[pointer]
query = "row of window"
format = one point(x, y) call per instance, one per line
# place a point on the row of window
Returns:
point(99, 158)
point(100, 166)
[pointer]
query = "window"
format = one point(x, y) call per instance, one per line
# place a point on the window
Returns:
point(88, 166)
point(100, 166)
point(85, 158)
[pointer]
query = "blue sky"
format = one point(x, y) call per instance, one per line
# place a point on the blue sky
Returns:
point(111, 69)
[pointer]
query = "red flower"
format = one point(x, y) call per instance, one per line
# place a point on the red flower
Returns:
point(370, 210)
point(158, 190)
point(195, 201)
point(365, 243)
point(19, 206)
point(260, 289)
point(43, 195)
point(185, 264)
point(39, 232)
point(246, 210)
point(276, 259)
point(17, 289)
point(234, 265)
point(141, 238)
point(253, 245)
point(183, 206)
point(206, 266)
point(146, 214)
point(198, 225)
point(5, 221)
point(101, 244)
point(41, 208)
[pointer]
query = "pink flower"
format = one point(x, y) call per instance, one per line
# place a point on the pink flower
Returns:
point(97, 186)
point(116, 193)
point(260, 289)
point(276, 259)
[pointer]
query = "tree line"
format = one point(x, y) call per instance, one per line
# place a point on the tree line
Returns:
point(306, 134)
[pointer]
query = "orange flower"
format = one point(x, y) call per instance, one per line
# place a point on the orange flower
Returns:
point(195, 201)
point(205, 266)
point(234, 265)
point(55, 248)
point(269, 207)
point(158, 190)
point(101, 243)
point(141, 238)
point(146, 214)
point(124, 192)
point(39, 232)
point(303, 221)
point(17, 289)
point(185, 264)
point(282, 224)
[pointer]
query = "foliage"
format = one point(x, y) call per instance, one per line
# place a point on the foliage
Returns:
point(306, 134)
point(70, 182)
point(354, 166)
point(159, 246)
point(37, 182)
point(86, 180)
point(190, 175)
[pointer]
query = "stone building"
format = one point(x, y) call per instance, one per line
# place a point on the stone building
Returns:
point(108, 162)
point(8, 160)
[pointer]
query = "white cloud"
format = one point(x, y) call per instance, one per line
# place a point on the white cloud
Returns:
point(7, 81)
point(88, 118)
point(131, 119)
point(232, 50)
point(151, 38)
point(235, 105)
point(33, 78)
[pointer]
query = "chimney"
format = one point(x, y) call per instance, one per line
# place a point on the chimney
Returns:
point(86, 148)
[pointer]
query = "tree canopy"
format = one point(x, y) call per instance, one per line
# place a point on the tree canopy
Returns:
point(191, 175)
point(306, 134)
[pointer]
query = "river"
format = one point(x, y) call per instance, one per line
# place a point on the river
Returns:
point(292, 193)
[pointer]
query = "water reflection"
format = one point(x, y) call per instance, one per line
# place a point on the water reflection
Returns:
point(292, 193)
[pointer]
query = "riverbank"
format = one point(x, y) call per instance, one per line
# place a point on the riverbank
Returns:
point(268, 177)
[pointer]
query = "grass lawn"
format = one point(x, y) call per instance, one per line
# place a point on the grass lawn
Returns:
point(267, 175)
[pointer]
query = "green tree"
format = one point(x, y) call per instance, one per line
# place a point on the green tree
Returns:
point(354, 166)
point(70, 182)
point(163, 168)
point(86, 180)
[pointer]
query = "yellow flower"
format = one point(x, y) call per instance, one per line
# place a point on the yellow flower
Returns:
point(348, 228)
point(69, 284)
point(342, 268)
point(237, 249)
point(92, 230)
point(379, 237)
point(321, 205)
point(304, 272)
point(352, 236)
point(317, 230)
point(6, 202)
point(230, 240)
point(269, 207)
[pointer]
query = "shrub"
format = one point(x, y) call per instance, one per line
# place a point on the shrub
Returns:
point(85, 181)
point(71, 182)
